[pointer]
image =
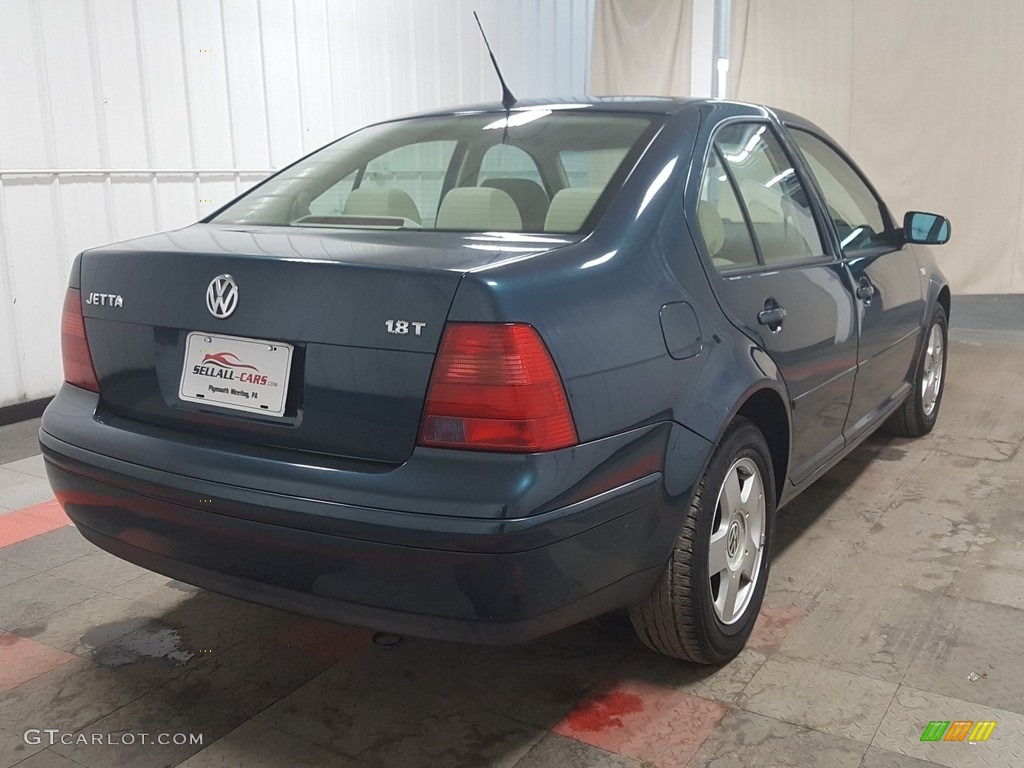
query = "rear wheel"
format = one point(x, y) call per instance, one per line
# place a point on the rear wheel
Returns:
point(919, 412)
point(706, 602)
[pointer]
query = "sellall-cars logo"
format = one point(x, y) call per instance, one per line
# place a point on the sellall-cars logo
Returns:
point(958, 730)
point(228, 367)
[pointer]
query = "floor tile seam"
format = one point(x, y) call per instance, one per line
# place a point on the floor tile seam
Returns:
point(784, 656)
point(112, 712)
point(801, 726)
point(105, 590)
point(898, 498)
point(56, 666)
point(590, 746)
point(50, 570)
point(63, 664)
point(57, 527)
point(283, 696)
point(986, 531)
point(21, 578)
point(7, 467)
point(959, 570)
point(926, 692)
point(760, 666)
point(888, 707)
point(272, 727)
point(28, 511)
point(16, 627)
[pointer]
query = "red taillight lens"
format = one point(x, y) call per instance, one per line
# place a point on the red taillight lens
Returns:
point(78, 368)
point(495, 388)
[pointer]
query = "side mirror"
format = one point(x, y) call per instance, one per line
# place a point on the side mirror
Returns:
point(926, 228)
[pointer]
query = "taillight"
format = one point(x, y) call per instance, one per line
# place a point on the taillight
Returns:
point(78, 368)
point(495, 388)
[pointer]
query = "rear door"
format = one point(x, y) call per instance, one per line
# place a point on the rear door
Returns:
point(779, 284)
point(889, 295)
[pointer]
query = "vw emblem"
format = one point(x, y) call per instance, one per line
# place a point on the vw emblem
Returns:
point(732, 542)
point(222, 296)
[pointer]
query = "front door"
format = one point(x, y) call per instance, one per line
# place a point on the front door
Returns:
point(889, 291)
point(779, 285)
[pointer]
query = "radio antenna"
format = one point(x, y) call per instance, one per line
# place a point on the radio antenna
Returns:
point(507, 99)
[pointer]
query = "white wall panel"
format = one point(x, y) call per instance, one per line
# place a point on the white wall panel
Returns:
point(123, 117)
point(36, 270)
point(244, 71)
point(117, 69)
point(20, 140)
point(69, 92)
point(163, 72)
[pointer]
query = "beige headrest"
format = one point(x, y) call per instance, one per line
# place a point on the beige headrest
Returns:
point(479, 209)
point(570, 208)
point(381, 201)
point(711, 227)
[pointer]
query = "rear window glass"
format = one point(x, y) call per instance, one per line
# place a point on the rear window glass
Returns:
point(536, 170)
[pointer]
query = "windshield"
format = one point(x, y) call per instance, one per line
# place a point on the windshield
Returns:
point(536, 170)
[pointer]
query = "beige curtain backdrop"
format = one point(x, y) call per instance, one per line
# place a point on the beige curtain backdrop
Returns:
point(641, 47)
point(927, 96)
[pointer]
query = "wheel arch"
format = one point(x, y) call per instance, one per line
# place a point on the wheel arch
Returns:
point(764, 405)
point(767, 410)
point(944, 298)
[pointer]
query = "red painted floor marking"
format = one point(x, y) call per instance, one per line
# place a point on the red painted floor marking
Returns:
point(22, 659)
point(26, 523)
point(659, 726)
point(49, 510)
point(772, 626)
point(604, 712)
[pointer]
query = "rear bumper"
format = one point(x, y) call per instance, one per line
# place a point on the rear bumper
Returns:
point(480, 579)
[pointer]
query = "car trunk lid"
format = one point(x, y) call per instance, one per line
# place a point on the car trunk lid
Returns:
point(347, 324)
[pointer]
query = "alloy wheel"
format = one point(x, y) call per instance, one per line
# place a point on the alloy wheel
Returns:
point(736, 550)
point(931, 375)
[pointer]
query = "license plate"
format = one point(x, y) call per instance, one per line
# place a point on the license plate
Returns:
point(244, 374)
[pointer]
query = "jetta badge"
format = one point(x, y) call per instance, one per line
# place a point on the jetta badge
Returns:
point(222, 296)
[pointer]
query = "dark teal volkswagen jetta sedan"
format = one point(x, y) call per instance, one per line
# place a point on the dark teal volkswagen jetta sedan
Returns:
point(484, 373)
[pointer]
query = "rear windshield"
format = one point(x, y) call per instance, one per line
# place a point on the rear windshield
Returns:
point(535, 170)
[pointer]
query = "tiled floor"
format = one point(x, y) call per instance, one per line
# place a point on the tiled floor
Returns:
point(897, 598)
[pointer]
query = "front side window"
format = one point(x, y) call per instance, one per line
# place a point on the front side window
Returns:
point(399, 175)
point(775, 200)
point(852, 206)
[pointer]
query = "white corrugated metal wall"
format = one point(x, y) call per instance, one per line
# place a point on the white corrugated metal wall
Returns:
point(123, 117)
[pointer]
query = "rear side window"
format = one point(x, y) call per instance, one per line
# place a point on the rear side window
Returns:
point(721, 220)
point(773, 197)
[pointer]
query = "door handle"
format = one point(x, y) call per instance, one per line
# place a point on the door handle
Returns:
point(772, 316)
point(865, 291)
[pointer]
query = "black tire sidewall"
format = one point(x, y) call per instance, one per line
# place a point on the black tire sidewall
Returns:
point(742, 440)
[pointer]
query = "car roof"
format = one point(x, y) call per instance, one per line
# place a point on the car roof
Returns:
point(658, 105)
point(649, 105)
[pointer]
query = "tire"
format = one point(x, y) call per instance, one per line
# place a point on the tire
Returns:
point(919, 411)
point(686, 616)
